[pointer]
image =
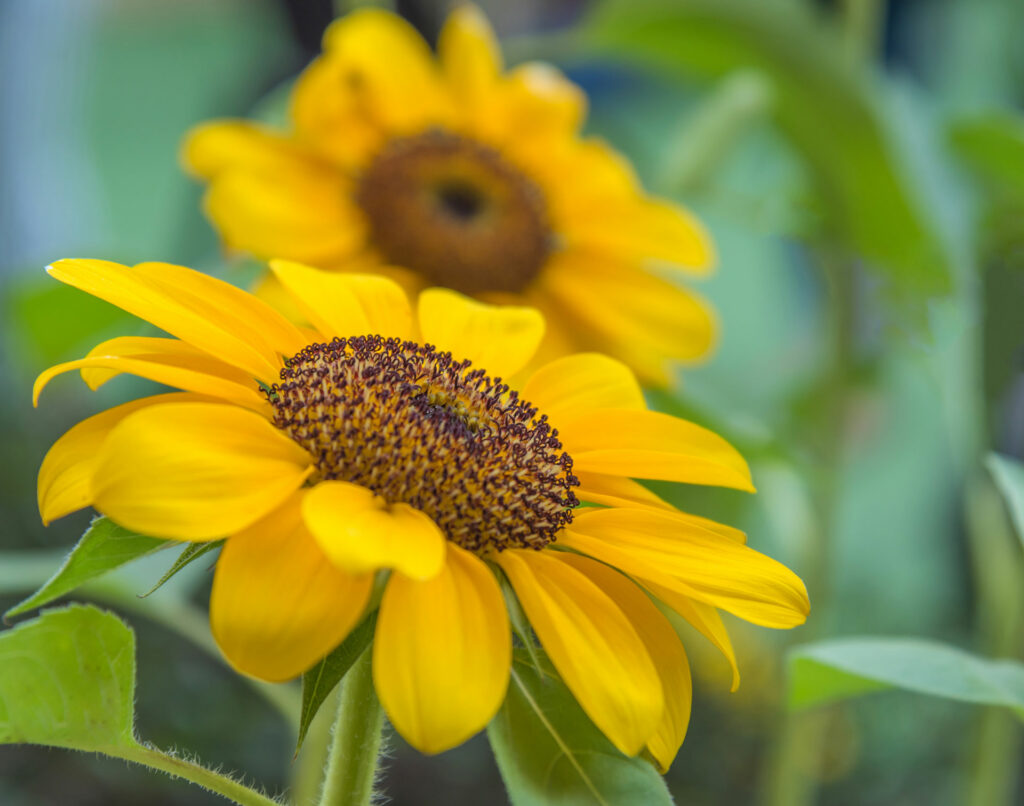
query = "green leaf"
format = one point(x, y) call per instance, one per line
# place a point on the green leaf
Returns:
point(1009, 476)
point(549, 752)
point(320, 680)
point(67, 679)
point(192, 552)
point(827, 109)
point(835, 670)
point(993, 146)
point(103, 547)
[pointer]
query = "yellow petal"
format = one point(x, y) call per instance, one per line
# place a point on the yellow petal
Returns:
point(377, 77)
point(567, 387)
point(683, 556)
point(498, 340)
point(220, 145)
point(278, 605)
point(644, 229)
point(195, 471)
point(470, 56)
point(361, 531)
point(615, 491)
point(212, 315)
point(442, 652)
point(599, 174)
point(592, 644)
point(705, 619)
point(345, 305)
point(304, 216)
point(65, 476)
point(664, 647)
point(532, 108)
point(173, 351)
point(630, 309)
point(652, 445)
point(158, 369)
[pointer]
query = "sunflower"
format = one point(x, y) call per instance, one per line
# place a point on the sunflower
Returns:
point(450, 172)
point(383, 440)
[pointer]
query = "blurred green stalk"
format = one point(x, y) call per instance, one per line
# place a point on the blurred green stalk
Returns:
point(998, 567)
point(711, 131)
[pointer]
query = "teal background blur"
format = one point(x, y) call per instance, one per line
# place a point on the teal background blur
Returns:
point(851, 160)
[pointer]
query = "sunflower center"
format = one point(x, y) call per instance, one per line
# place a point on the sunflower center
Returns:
point(456, 212)
point(417, 427)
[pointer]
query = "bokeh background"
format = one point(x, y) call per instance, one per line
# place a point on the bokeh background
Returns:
point(861, 166)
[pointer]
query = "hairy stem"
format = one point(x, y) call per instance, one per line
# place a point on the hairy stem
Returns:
point(355, 748)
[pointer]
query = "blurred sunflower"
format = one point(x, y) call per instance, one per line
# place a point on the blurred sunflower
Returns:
point(451, 173)
point(386, 440)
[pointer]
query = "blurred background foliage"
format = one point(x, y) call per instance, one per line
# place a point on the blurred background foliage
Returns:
point(861, 166)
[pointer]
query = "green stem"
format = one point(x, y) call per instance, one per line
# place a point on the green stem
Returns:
point(710, 132)
point(998, 567)
point(352, 762)
point(190, 771)
point(862, 28)
point(792, 773)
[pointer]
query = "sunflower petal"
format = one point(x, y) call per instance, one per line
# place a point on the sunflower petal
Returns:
point(361, 532)
point(664, 646)
point(344, 305)
point(592, 644)
point(652, 445)
point(442, 653)
point(705, 619)
point(208, 313)
point(174, 351)
point(644, 229)
point(499, 340)
point(308, 217)
point(532, 108)
point(626, 305)
point(574, 384)
point(65, 477)
point(615, 491)
point(278, 604)
point(470, 56)
point(219, 145)
point(377, 76)
point(195, 471)
point(157, 368)
point(683, 556)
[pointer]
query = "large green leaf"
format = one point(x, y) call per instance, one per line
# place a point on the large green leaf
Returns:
point(835, 670)
point(993, 145)
point(1009, 476)
point(824, 105)
point(103, 547)
point(549, 752)
point(320, 680)
point(67, 679)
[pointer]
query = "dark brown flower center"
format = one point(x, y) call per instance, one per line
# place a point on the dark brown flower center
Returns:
point(417, 427)
point(456, 212)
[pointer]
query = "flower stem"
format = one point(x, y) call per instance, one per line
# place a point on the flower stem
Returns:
point(352, 762)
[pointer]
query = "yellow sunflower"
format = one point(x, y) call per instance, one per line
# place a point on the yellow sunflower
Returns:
point(384, 439)
point(450, 172)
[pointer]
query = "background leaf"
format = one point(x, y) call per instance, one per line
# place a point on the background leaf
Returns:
point(67, 679)
point(103, 547)
point(549, 752)
point(825, 107)
point(320, 681)
point(836, 670)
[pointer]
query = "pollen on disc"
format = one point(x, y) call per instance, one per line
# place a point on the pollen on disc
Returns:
point(418, 427)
